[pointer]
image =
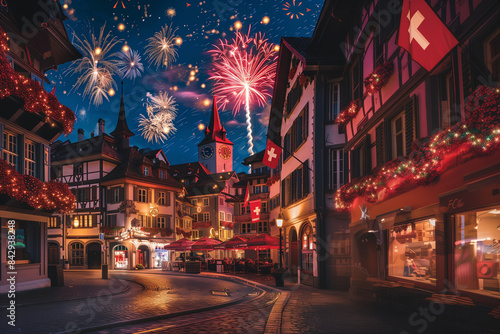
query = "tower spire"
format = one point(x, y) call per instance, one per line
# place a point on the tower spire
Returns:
point(122, 131)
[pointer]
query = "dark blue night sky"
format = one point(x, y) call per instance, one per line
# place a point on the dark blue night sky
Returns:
point(200, 24)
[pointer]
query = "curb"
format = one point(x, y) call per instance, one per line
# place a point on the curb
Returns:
point(273, 324)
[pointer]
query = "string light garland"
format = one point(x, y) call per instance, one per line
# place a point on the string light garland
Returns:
point(303, 80)
point(292, 72)
point(478, 135)
point(273, 179)
point(185, 234)
point(109, 229)
point(164, 232)
point(36, 99)
point(378, 78)
point(202, 224)
point(37, 194)
point(348, 113)
point(228, 225)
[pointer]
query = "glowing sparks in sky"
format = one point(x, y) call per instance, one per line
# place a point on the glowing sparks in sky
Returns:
point(161, 49)
point(97, 66)
point(171, 12)
point(293, 9)
point(129, 64)
point(244, 70)
point(158, 124)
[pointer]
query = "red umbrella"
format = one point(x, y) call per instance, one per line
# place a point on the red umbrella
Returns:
point(180, 245)
point(205, 243)
point(262, 241)
point(231, 243)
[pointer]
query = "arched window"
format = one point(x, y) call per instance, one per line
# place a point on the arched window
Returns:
point(77, 254)
point(307, 242)
point(307, 249)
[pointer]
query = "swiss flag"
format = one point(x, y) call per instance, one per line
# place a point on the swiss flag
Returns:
point(247, 197)
point(255, 210)
point(423, 35)
point(272, 154)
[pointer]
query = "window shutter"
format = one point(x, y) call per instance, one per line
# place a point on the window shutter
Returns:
point(379, 144)
point(167, 198)
point(409, 124)
point(122, 194)
point(135, 193)
point(305, 179)
point(94, 193)
point(368, 155)
point(87, 194)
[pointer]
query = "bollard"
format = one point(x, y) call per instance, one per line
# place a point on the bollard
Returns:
point(104, 268)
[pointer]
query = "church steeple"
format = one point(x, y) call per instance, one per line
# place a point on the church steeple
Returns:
point(122, 133)
point(215, 131)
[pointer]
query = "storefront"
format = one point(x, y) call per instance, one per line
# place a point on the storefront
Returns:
point(474, 228)
point(160, 256)
point(120, 256)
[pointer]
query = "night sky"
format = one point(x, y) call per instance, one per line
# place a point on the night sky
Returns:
point(199, 25)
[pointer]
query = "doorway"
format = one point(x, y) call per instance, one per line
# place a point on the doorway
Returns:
point(94, 255)
point(294, 252)
point(53, 253)
point(143, 256)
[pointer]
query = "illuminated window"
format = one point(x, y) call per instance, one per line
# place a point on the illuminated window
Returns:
point(29, 158)
point(10, 148)
point(229, 217)
point(146, 171)
point(142, 195)
point(54, 222)
point(77, 254)
point(162, 198)
point(398, 136)
point(160, 222)
point(222, 216)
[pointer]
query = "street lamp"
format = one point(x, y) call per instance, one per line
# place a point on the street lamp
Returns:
point(76, 222)
point(279, 223)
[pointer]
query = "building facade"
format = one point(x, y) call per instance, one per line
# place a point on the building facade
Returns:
point(423, 163)
point(30, 120)
point(306, 100)
point(127, 202)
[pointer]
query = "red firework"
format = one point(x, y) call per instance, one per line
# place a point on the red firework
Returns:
point(243, 69)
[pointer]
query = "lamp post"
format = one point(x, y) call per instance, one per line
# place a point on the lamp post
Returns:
point(279, 223)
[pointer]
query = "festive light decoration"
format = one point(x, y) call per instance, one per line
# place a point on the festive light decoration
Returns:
point(202, 224)
point(244, 71)
point(110, 229)
point(348, 113)
point(378, 78)
point(292, 72)
point(477, 135)
point(36, 99)
point(185, 234)
point(37, 194)
point(273, 179)
point(303, 80)
point(228, 225)
point(164, 232)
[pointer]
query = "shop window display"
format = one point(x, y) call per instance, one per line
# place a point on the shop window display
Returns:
point(412, 251)
point(477, 251)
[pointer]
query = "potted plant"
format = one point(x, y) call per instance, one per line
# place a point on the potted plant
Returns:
point(139, 266)
point(279, 276)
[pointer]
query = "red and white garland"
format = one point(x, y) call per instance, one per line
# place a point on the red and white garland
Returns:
point(36, 99)
point(477, 135)
point(378, 78)
point(37, 194)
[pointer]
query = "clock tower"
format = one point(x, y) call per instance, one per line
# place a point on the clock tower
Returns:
point(216, 151)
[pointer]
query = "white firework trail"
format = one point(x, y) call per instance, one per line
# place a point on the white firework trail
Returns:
point(161, 49)
point(96, 67)
point(129, 64)
point(158, 124)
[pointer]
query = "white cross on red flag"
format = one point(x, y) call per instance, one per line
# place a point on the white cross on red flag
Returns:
point(272, 154)
point(255, 210)
point(247, 197)
point(423, 35)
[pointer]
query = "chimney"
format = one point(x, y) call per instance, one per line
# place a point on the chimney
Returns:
point(92, 134)
point(80, 134)
point(100, 126)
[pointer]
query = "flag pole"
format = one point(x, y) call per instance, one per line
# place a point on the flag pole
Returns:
point(284, 149)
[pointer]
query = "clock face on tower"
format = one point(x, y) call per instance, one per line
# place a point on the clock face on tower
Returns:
point(225, 152)
point(207, 152)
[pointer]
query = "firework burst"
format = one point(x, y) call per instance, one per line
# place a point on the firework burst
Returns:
point(161, 49)
point(244, 70)
point(293, 9)
point(171, 12)
point(129, 64)
point(97, 66)
point(158, 124)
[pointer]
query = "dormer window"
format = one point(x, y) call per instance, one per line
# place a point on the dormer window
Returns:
point(146, 171)
point(162, 174)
